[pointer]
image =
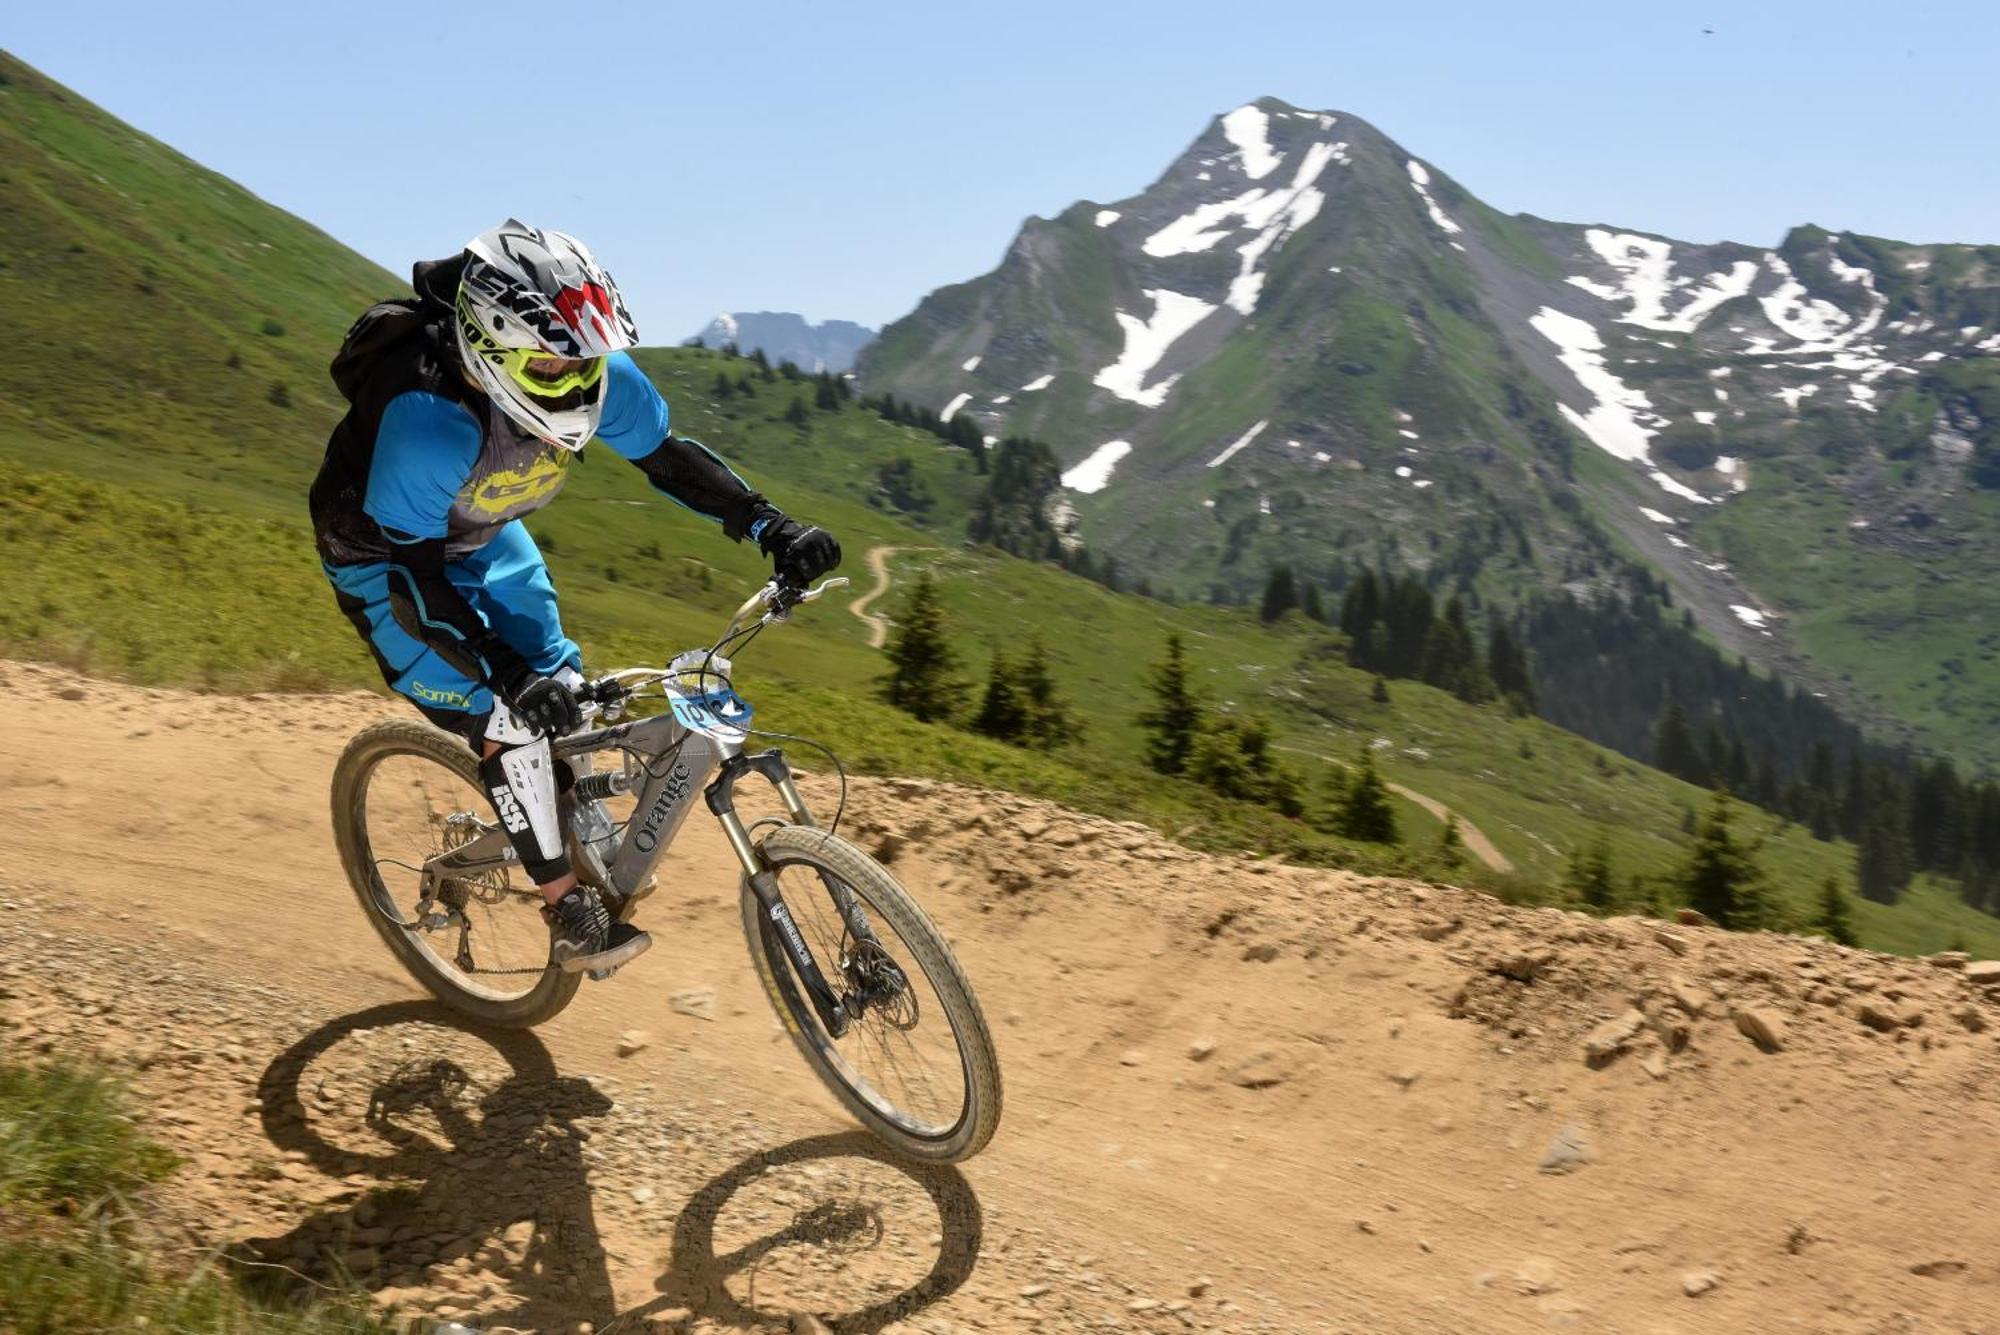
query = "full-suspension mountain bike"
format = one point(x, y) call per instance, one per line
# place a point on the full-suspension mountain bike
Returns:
point(858, 974)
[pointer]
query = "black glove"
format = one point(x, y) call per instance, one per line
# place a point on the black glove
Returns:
point(801, 553)
point(543, 703)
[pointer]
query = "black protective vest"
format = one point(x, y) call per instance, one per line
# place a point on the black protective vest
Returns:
point(393, 348)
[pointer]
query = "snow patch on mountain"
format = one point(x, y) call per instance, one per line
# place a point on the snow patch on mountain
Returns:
point(969, 364)
point(1749, 616)
point(1656, 516)
point(1091, 475)
point(1038, 383)
point(1645, 265)
point(1229, 452)
point(1276, 217)
point(951, 409)
point(1146, 341)
point(1674, 486)
point(1420, 181)
point(1198, 229)
point(1273, 214)
point(1799, 314)
point(1249, 129)
point(1613, 424)
point(1105, 217)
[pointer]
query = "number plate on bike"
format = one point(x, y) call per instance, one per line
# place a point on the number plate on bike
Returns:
point(714, 712)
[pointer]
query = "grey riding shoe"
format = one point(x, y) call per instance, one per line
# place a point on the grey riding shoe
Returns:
point(584, 935)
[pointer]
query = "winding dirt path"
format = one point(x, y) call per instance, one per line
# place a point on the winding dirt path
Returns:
point(1475, 838)
point(878, 566)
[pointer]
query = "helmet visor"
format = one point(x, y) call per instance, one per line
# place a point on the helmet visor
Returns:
point(550, 377)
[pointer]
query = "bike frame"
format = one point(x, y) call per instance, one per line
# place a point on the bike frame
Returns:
point(677, 761)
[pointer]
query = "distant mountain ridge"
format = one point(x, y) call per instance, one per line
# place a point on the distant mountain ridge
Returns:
point(831, 345)
point(1303, 344)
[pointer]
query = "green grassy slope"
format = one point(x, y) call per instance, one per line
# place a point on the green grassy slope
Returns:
point(170, 546)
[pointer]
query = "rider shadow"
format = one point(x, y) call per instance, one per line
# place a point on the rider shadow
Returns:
point(488, 1203)
point(497, 1219)
point(697, 1277)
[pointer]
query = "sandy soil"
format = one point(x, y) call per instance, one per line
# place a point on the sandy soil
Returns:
point(1241, 1096)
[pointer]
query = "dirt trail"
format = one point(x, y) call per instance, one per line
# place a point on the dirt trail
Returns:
point(1471, 835)
point(878, 566)
point(1475, 838)
point(1241, 1096)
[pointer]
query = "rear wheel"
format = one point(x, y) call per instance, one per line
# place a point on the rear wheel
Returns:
point(916, 1063)
point(404, 792)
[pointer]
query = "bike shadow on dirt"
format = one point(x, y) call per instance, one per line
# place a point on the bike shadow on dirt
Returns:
point(461, 1180)
point(841, 1223)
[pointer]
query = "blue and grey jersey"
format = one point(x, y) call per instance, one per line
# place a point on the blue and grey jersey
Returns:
point(423, 472)
point(460, 470)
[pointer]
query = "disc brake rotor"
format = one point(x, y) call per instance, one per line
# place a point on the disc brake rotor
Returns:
point(488, 887)
point(881, 986)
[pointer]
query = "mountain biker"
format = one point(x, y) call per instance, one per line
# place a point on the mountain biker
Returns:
point(466, 407)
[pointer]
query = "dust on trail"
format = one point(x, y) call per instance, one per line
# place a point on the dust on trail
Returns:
point(878, 566)
point(1240, 1096)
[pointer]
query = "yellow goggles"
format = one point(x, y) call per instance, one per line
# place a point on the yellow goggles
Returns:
point(549, 377)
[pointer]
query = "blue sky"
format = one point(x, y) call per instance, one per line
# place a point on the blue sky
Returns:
point(843, 159)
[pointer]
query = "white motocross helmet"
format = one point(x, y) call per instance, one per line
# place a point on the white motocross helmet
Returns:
point(537, 316)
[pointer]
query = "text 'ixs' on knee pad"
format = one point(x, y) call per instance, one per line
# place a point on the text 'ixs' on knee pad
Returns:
point(521, 780)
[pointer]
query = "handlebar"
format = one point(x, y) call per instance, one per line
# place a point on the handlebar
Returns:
point(776, 601)
point(773, 602)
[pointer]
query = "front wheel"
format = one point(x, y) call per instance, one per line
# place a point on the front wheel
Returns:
point(916, 1064)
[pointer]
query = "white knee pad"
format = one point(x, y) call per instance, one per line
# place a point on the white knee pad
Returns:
point(521, 780)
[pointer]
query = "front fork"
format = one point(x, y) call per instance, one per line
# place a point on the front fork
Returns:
point(763, 881)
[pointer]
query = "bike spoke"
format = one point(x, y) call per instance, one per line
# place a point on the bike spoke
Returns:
point(903, 1071)
point(493, 940)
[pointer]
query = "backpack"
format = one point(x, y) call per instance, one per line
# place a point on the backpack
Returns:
point(391, 327)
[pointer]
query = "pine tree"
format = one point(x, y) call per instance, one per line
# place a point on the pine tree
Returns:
point(1507, 665)
point(1451, 845)
point(1834, 920)
point(1379, 691)
point(1311, 603)
point(1882, 862)
point(1589, 875)
point(1175, 718)
point(1406, 627)
point(1365, 811)
point(1233, 757)
point(1281, 594)
point(1360, 613)
point(1049, 724)
point(1002, 714)
point(796, 413)
point(922, 677)
point(826, 396)
point(723, 388)
point(1451, 660)
point(1720, 878)
point(1674, 748)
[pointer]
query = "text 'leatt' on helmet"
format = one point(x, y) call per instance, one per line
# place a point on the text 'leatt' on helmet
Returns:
point(537, 316)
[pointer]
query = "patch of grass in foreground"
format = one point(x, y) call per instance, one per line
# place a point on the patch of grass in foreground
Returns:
point(74, 1170)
